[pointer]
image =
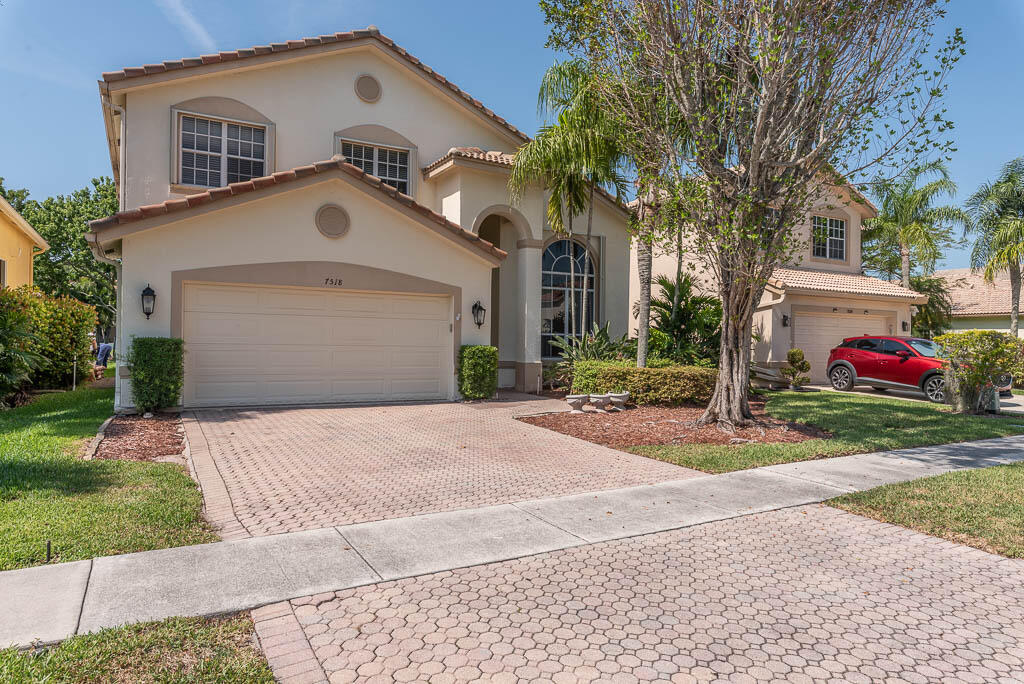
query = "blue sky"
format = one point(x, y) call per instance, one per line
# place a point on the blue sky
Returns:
point(52, 52)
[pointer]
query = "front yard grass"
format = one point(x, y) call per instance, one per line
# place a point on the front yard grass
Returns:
point(175, 650)
point(85, 508)
point(981, 508)
point(858, 423)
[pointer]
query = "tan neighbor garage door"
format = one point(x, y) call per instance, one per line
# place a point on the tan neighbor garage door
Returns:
point(817, 334)
point(249, 345)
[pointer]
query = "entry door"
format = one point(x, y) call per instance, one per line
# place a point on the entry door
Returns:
point(254, 345)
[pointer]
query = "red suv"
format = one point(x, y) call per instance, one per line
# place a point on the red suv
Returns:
point(906, 363)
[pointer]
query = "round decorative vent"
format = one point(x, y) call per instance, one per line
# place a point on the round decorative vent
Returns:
point(368, 88)
point(332, 220)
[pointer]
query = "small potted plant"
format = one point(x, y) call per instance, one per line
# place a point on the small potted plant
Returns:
point(796, 369)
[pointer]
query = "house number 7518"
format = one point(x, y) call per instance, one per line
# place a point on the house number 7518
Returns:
point(333, 282)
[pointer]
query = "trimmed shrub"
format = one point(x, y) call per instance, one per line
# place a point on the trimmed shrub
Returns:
point(60, 328)
point(158, 371)
point(796, 366)
point(659, 384)
point(478, 371)
point(974, 360)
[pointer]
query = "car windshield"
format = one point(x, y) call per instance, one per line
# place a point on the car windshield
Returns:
point(924, 348)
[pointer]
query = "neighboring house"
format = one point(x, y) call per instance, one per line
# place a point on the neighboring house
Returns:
point(978, 305)
point(294, 280)
point(19, 243)
point(821, 297)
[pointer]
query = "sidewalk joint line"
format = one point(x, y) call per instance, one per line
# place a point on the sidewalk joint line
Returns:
point(544, 520)
point(85, 592)
point(358, 553)
point(845, 490)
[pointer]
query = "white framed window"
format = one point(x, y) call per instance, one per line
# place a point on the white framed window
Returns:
point(556, 293)
point(214, 153)
point(390, 164)
point(829, 238)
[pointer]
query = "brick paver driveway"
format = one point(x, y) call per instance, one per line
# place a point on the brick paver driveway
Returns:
point(796, 595)
point(294, 469)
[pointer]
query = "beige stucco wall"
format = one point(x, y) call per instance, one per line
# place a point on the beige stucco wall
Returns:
point(997, 323)
point(17, 250)
point(307, 100)
point(280, 228)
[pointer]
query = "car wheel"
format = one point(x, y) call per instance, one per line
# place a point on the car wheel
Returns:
point(935, 389)
point(841, 378)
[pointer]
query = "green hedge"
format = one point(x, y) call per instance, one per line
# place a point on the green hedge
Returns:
point(61, 326)
point(478, 371)
point(158, 372)
point(659, 384)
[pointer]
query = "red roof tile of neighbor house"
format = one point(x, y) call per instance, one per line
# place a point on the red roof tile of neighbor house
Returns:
point(371, 32)
point(282, 177)
point(844, 283)
point(972, 296)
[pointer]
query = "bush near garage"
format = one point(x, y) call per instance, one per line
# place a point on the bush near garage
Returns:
point(157, 366)
point(660, 384)
point(973, 358)
point(60, 328)
point(478, 371)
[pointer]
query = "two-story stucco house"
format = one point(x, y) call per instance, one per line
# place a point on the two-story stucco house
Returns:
point(820, 297)
point(357, 278)
point(19, 244)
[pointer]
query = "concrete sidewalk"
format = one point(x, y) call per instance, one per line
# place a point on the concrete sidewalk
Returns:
point(50, 603)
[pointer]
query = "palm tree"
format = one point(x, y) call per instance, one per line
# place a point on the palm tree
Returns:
point(997, 209)
point(908, 219)
point(571, 158)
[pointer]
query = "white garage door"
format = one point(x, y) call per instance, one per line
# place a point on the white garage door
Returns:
point(247, 345)
point(817, 334)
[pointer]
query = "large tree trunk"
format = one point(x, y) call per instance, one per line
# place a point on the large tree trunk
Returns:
point(586, 260)
point(905, 264)
point(729, 408)
point(1014, 297)
point(644, 259)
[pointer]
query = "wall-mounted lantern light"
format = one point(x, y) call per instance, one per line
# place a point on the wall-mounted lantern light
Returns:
point(835, 309)
point(148, 301)
point(905, 326)
point(785, 321)
point(479, 313)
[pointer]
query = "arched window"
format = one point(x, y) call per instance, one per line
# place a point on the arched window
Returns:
point(556, 293)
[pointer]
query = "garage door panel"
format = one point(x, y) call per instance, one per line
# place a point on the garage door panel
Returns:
point(817, 334)
point(288, 345)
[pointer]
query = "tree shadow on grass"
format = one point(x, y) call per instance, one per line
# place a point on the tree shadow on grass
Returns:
point(63, 477)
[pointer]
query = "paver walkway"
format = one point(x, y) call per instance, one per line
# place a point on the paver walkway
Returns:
point(796, 595)
point(296, 469)
point(49, 603)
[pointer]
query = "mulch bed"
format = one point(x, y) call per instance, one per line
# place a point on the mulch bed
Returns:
point(134, 438)
point(654, 425)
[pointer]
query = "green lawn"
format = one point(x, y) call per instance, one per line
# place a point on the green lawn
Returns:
point(857, 422)
point(85, 508)
point(981, 508)
point(175, 650)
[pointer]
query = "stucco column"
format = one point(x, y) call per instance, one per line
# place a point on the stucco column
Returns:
point(528, 361)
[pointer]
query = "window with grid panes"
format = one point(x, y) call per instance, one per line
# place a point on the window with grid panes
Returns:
point(388, 164)
point(215, 153)
point(829, 237)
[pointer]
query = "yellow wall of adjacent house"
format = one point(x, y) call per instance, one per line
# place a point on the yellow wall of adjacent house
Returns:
point(998, 323)
point(16, 249)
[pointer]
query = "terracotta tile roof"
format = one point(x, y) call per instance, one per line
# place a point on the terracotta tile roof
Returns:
point(972, 296)
point(297, 45)
point(492, 156)
point(499, 158)
point(282, 177)
point(843, 283)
